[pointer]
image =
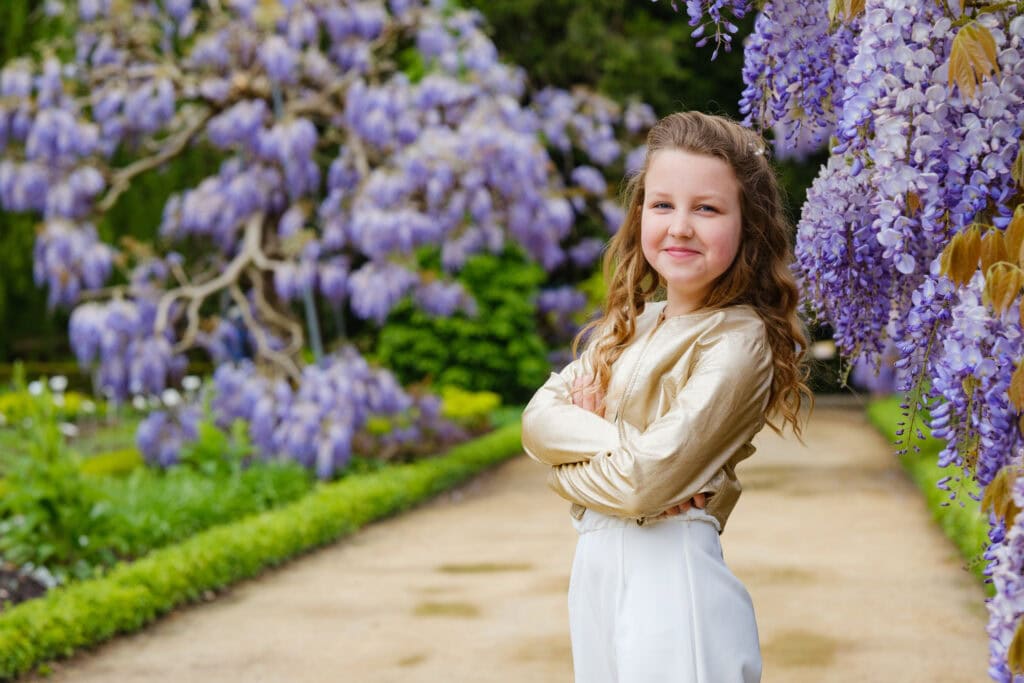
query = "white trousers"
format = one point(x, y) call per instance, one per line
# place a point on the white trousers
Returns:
point(657, 603)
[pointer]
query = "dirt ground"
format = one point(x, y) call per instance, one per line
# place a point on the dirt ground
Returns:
point(850, 579)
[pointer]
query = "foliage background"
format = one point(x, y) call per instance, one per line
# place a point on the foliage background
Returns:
point(627, 50)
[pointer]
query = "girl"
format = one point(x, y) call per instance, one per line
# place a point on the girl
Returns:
point(643, 431)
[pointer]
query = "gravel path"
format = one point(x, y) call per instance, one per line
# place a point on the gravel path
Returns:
point(850, 579)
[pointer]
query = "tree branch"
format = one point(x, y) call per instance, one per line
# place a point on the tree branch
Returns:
point(272, 315)
point(284, 361)
point(231, 273)
point(123, 177)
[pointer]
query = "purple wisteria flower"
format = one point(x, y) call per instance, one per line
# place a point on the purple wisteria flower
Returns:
point(338, 170)
point(913, 161)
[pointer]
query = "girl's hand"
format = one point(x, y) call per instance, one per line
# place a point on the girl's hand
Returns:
point(698, 500)
point(587, 395)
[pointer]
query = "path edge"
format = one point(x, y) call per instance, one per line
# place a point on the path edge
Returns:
point(131, 596)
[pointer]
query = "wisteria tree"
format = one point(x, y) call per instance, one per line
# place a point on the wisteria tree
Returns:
point(354, 135)
point(912, 233)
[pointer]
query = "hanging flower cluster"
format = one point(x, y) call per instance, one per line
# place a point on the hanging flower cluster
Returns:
point(912, 233)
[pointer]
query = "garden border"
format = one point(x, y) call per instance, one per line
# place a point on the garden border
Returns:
point(967, 530)
point(130, 596)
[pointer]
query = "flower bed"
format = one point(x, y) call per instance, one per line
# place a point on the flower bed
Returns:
point(132, 595)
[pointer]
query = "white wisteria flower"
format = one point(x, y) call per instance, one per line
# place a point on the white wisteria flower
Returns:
point(170, 398)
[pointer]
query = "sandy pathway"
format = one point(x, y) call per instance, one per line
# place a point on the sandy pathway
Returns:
point(850, 579)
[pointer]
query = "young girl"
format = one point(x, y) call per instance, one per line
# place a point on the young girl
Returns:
point(643, 431)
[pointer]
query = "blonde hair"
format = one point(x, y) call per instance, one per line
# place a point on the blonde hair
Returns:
point(759, 276)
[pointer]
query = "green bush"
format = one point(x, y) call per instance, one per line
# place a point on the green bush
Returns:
point(470, 409)
point(121, 461)
point(155, 508)
point(16, 405)
point(51, 514)
point(132, 595)
point(498, 351)
point(962, 521)
point(217, 481)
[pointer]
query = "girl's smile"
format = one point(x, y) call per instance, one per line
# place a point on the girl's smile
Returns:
point(680, 253)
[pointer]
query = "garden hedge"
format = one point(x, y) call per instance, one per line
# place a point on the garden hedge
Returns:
point(131, 596)
point(966, 526)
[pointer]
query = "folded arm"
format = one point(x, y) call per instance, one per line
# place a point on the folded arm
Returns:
point(717, 411)
point(555, 431)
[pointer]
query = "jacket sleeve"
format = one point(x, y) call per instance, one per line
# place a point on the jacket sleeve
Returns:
point(715, 413)
point(554, 431)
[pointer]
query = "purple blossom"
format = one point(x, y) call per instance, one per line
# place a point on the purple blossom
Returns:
point(279, 59)
point(590, 179)
point(445, 298)
point(377, 287)
point(320, 134)
point(161, 434)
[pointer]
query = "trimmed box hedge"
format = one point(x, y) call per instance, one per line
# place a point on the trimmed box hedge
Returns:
point(131, 596)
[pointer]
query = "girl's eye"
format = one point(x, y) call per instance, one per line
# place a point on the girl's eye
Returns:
point(705, 208)
point(662, 205)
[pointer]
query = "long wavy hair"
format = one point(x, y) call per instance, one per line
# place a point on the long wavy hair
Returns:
point(760, 274)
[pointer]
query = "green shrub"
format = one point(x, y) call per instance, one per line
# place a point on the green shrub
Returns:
point(59, 511)
point(51, 514)
point(215, 453)
point(155, 508)
point(16, 405)
point(121, 461)
point(498, 351)
point(962, 521)
point(132, 595)
point(468, 408)
point(217, 481)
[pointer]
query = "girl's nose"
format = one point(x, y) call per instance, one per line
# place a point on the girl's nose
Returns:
point(680, 226)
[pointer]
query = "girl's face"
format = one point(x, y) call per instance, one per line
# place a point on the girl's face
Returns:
point(690, 225)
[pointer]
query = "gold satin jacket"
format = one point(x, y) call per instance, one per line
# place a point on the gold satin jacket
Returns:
point(685, 399)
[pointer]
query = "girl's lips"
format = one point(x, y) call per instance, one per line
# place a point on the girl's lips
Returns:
point(681, 252)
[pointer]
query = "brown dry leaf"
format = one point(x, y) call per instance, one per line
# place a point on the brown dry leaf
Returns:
point(1002, 285)
point(993, 249)
point(1016, 390)
point(951, 255)
point(913, 202)
point(972, 57)
point(1017, 169)
point(965, 257)
point(844, 9)
point(997, 490)
point(1014, 235)
point(998, 496)
point(1015, 655)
